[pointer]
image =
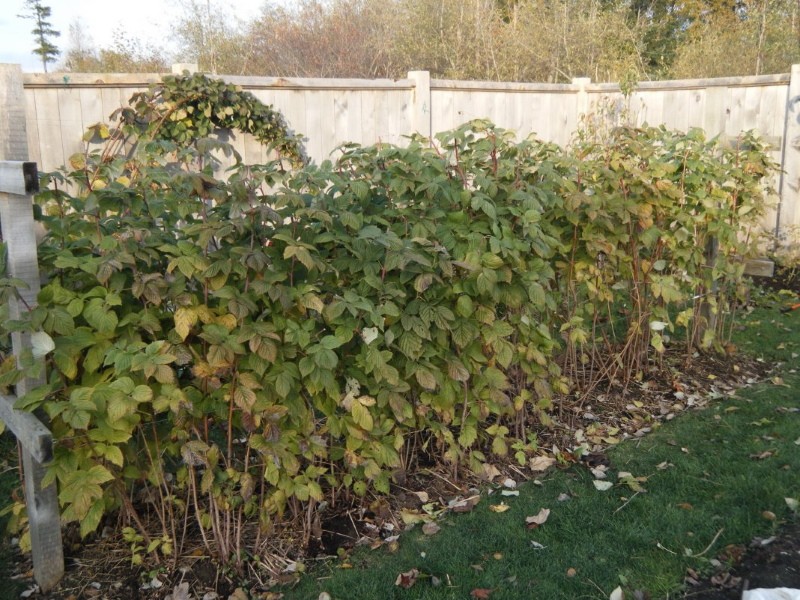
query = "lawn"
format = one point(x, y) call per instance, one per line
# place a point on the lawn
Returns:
point(714, 477)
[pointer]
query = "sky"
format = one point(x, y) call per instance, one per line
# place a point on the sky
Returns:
point(147, 20)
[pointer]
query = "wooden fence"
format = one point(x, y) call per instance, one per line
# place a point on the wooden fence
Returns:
point(329, 112)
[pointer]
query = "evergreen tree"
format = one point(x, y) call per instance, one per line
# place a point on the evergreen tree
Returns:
point(43, 31)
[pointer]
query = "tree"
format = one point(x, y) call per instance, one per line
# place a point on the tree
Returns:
point(43, 31)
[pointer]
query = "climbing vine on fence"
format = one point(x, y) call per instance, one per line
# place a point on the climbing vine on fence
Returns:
point(240, 348)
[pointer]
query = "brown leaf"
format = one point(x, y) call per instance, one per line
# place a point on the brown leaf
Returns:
point(684, 506)
point(538, 519)
point(407, 579)
point(571, 572)
point(480, 593)
point(430, 528)
point(762, 455)
point(542, 463)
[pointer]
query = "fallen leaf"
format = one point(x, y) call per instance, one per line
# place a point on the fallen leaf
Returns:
point(411, 517)
point(542, 463)
point(480, 593)
point(563, 497)
point(792, 503)
point(499, 508)
point(617, 594)
point(664, 466)
point(238, 594)
point(509, 493)
point(537, 545)
point(509, 483)
point(768, 515)
point(423, 496)
point(324, 596)
point(407, 579)
point(602, 485)
point(761, 455)
point(599, 472)
point(497, 556)
point(684, 506)
point(571, 572)
point(430, 528)
point(490, 471)
point(181, 592)
point(539, 519)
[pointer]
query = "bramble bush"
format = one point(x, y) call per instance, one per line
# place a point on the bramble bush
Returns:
point(237, 348)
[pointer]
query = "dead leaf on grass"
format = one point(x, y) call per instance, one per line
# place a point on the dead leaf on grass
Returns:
point(480, 593)
point(602, 486)
point(684, 506)
point(762, 455)
point(412, 517)
point(499, 508)
point(538, 519)
point(617, 594)
point(430, 528)
point(769, 515)
point(542, 463)
point(462, 505)
point(238, 594)
point(407, 579)
point(571, 572)
point(509, 483)
point(509, 493)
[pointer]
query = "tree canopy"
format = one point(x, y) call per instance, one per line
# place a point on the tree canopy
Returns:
point(511, 40)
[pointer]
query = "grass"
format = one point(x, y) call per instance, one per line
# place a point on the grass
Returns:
point(714, 493)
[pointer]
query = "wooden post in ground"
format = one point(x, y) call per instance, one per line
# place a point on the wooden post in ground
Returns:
point(421, 111)
point(789, 207)
point(18, 181)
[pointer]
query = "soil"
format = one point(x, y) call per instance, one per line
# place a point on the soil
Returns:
point(101, 568)
point(766, 563)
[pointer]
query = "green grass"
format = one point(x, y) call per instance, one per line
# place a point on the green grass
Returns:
point(644, 541)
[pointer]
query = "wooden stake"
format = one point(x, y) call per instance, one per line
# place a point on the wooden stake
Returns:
point(18, 179)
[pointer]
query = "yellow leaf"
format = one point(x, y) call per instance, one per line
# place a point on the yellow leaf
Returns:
point(499, 508)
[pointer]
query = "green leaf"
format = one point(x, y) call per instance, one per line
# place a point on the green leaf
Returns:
point(425, 378)
point(185, 319)
point(99, 317)
point(92, 518)
point(361, 415)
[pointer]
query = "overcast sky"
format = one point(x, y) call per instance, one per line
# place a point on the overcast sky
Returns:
point(147, 20)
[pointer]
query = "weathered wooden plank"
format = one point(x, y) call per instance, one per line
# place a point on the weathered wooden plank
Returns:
point(16, 222)
point(35, 438)
point(789, 208)
point(421, 112)
point(18, 177)
point(48, 117)
point(759, 267)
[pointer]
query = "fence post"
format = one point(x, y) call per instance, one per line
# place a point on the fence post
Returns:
point(179, 68)
point(421, 115)
point(16, 220)
point(583, 96)
point(789, 206)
